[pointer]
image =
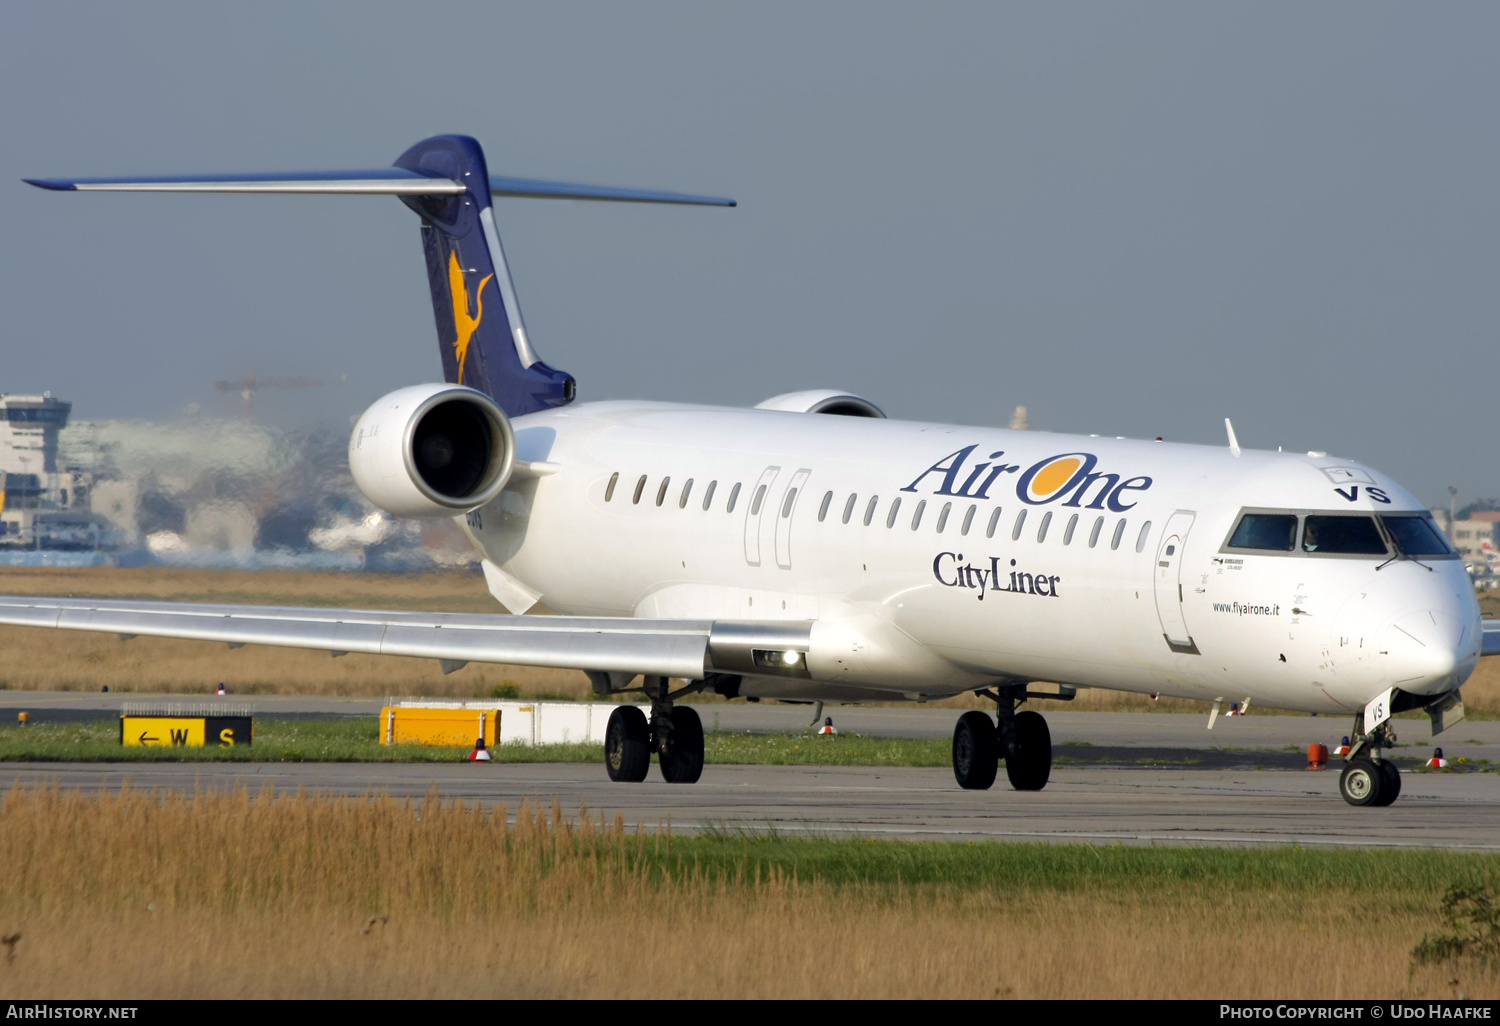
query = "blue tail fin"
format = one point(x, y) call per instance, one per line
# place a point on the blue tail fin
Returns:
point(446, 181)
point(480, 331)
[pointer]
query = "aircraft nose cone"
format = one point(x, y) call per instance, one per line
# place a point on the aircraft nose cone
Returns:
point(1425, 652)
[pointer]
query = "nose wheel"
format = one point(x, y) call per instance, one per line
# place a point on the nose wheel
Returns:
point(1369, 780)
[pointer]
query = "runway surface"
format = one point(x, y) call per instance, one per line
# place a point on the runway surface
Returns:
point(1095, 805)
point(1119, 777)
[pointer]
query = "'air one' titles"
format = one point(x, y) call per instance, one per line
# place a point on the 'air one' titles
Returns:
point(1069, 476)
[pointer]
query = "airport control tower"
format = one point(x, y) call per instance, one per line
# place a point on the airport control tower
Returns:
point(39, 500)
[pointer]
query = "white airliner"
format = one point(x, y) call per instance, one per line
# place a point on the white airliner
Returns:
point(810, 548)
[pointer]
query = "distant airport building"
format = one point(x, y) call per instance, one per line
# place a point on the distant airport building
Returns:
point(1477, 540)
point(43, 504)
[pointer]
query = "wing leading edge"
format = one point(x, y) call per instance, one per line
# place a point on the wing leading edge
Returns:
point(690, 649)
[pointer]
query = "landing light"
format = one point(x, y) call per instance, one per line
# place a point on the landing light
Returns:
point(790, 658)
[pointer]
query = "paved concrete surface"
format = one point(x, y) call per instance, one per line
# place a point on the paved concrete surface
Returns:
point(1103, 805)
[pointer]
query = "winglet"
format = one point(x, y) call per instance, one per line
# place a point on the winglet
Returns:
point(1234, 443)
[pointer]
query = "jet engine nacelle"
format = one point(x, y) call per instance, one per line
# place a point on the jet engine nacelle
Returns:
point(432, 451)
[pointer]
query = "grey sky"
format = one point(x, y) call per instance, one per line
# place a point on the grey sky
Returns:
point(1134, 219)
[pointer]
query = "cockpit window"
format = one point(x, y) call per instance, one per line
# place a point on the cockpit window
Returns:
point(1342, 535)
point(1265, 531)
point(1416, 536)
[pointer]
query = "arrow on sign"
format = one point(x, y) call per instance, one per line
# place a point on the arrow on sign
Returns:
point(143, 738)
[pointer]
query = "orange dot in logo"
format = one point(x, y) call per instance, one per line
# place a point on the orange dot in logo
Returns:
point(1054, 475)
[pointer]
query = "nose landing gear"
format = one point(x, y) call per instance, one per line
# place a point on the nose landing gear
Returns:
point(1367, 778)
point(1021, 739)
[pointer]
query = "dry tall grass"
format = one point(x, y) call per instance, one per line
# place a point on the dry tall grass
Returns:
point(44, 660)
point(36, 659)
point(223, 895)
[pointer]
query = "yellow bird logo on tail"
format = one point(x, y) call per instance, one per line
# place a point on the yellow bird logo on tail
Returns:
point(464, 324)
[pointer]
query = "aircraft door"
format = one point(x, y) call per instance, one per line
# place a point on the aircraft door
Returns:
point(1168, 575)
point(784, 512)
point(759, 499)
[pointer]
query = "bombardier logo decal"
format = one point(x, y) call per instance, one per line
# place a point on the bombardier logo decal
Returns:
point(1069, 476)
point(464, 324)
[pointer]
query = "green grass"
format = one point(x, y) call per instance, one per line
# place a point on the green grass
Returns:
point(1401, 873)
point(357, 739)
point(812, 750)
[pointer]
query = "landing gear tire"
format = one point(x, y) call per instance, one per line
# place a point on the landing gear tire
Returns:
point(1362, 782)
point(1028, 762)
point(627, 749)
point(680, 749)
point(976, 752)
point(1390, 783)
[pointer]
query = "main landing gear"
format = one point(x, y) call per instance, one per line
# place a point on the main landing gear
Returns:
point(1367, 778)
point(675, 734)
point(1020, 738)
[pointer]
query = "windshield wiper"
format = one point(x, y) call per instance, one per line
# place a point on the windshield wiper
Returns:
point(1402, 555)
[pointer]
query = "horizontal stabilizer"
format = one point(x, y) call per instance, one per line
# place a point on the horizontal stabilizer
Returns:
point(390, 181)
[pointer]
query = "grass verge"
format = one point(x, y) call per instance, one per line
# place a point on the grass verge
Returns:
point(357, 739)
point(219, 894)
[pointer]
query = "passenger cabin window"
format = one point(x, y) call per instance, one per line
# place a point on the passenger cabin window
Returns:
point(1272, 531)
point(1041, 532)
point(890, 518)
point(1114, 543)
point(640, 486)
point(823, 509)
point(1417, 536)
point(1068, 534)
point(989, 532)
point(1015, 532)
point(968, 519)
point(760, 498)
point(609, 490)
point(1094, 534)
point(687, 490)
point(661, 493)
point(849, 507)
point(708, 496)
point(788, 503)
point(1341, 535)
point(870, 509)
point(1140, 543)
point(916, 518)
point(734, 494)
point(943, 516)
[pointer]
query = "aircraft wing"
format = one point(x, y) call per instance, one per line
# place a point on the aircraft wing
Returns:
point(1491, 638)
point(690, 649)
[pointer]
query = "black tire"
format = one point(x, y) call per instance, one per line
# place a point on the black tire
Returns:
point(1028, 763)
point(1362, 782)
point(627, 751)
point(1390, 783)
point(976, 752)
point(680, 750)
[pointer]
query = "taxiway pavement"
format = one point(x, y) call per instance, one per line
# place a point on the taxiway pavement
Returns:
point(1096, 805)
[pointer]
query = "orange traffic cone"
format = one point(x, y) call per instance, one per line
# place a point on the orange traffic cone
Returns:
point(1317, 756)
point(480, 753)
point(1437, 761)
